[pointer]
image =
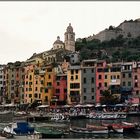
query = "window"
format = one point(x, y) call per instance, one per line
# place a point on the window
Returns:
point(57, 90)
point(129, 83)
point(84, 70)
point(92, 89)
point(76, 71)
point(100, 77)
point(41, 81)
point(105, 84)
point(84, 80)
point(118, 76)
point(46, 90)
point(58, 83)
point(84, 90)
point(105, 76)
point(92, 80)
point(136, 77)
point(136, 84)
point(49, 84)
point(92, 97)
point(30, 95)
point(41, 89)
point(74, 85)
point(137, 92)
point(72, 78)
point(30, 77)
point(30, 89)
point(35, 88)
point(36, 82)
point(76, 77)
point(35, 95)
point(92, 70)
point(30, 83)
point(49, 76)
point(129, 75)
point(123, 75)
point(65, 90)
point(46, 98)
point(123, 83)
point(72, 71)
point(100, 84)
point(85, 97)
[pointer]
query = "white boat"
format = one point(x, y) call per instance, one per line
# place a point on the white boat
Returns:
point(106, 116)
point(60, 118)
point(88, 130)
point(111, 129)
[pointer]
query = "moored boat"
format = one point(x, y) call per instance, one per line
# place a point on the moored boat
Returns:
point(49, 132)
point(18, 128)
point(126, 128)
point(106, 116)
point(60, 118)
point(89, 130)
point(110, 128)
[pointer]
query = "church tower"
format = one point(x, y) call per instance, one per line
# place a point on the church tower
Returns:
point(69, 39)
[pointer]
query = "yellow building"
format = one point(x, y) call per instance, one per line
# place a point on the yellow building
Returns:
point(74, 85)
point(107, 77)
point(48, 84)
point(115, 78)
point(29, 84)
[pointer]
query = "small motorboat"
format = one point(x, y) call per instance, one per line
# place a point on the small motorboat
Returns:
point(60, 118)
point(106, 116)
point(18, 128)
point(126, 128)
point(109, 127)
point(97, 130)
point(47, 132)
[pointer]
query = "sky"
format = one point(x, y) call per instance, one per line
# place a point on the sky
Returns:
point(33, 26)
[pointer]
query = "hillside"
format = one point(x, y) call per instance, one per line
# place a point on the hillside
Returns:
point(128, 27)
point(114, 50)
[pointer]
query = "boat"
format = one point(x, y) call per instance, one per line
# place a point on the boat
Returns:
point(109, 127)
point(60, 118)
point(18, 128)
point(106, 116)
point(97, 130)
point(47, 132)
point(126, 128)
point(136, 125)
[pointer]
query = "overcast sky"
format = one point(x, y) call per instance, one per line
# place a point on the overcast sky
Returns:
point(32, 27)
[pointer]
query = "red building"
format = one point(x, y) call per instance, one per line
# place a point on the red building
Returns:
point(60, 89)
point(136, 82)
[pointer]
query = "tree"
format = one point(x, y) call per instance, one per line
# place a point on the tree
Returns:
point(108, 98)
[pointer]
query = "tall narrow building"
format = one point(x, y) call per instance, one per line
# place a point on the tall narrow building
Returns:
point(69, 38)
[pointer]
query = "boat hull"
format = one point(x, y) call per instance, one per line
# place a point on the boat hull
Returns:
point(90, 131)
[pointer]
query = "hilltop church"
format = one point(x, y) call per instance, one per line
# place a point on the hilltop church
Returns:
point(59, 50)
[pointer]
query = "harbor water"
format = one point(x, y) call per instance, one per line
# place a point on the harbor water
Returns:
point(82, 123)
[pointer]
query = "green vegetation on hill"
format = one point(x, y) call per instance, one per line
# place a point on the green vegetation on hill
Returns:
point(115, 50)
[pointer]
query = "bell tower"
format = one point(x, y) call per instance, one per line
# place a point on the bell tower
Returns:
point(69, 39)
